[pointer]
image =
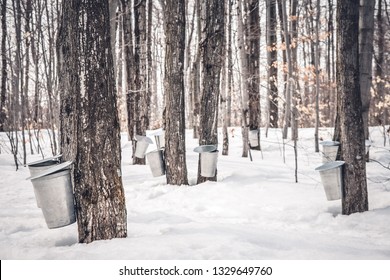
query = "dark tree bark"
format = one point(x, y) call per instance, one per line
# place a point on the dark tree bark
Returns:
point(287, 39)
point(35, 54)
point(230, 64)
point(212, 49)
point(284, 55)
point(149, 70)
point(175, 148)
point(226, 81)
point(366, 37)
point(129, 62)
point(195, 75)
point(330, 101)
point(4, 74)
point(243, 76)
point(355, 197)
point(253, 42)
point(366, 49)
point(129, 65)
point(272, 61)
point(113, 7)
point(90, 134)
point(317, 76)
point(295, 97)
point(141, 72)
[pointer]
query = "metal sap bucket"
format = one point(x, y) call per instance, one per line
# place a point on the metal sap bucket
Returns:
point(160, 140)
point(156, 162)
point(208, 159)
point(37, 167)
point(253, 136)
point(142, 145)
point(331, 178)
point(54, 190)
point(159, 136)
point(205, 149)
point(329, 150)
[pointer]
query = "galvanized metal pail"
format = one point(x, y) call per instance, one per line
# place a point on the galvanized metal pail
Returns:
point(205, 149)
point(208, 159)
point(142, 145)
point(329, 150)
point(37, 167)
point(156, 162)
point(159, 135)
point(160, 140)
point(331, 177)
point(54, 189)
point(208, 163)
point(253, 138)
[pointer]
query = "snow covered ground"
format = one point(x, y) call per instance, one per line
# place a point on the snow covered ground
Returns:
point(254, 211)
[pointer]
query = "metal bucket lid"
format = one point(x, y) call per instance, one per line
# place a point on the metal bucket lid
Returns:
point(330, 165)
point(205, 149)
point(45, 160)
point(330, 143)
point(141, 138)
point(58, 167)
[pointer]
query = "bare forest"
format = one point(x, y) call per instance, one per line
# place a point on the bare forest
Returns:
point(85, 71)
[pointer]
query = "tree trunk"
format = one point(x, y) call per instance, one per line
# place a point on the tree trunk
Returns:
point(317, 75)
point(149, 66)
point(212, 50)
point(175, 148)
point(284, 56)
point(243, 64)
point(355, 197)
point(130, 72)
point(294, 85)
point(27, 112)
point(119, 67)
point(140, 71)
point(229, 66)
point(380, 114)
point(3, 114)
point(195, 74)
point(113, 6)
point(253, 43)
point(21, 108)
point(188, 84)
point(272, 64)
point(330, 64)
point(90, 130)
point(366, 35)
point(225, 84)
point(287, 115)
